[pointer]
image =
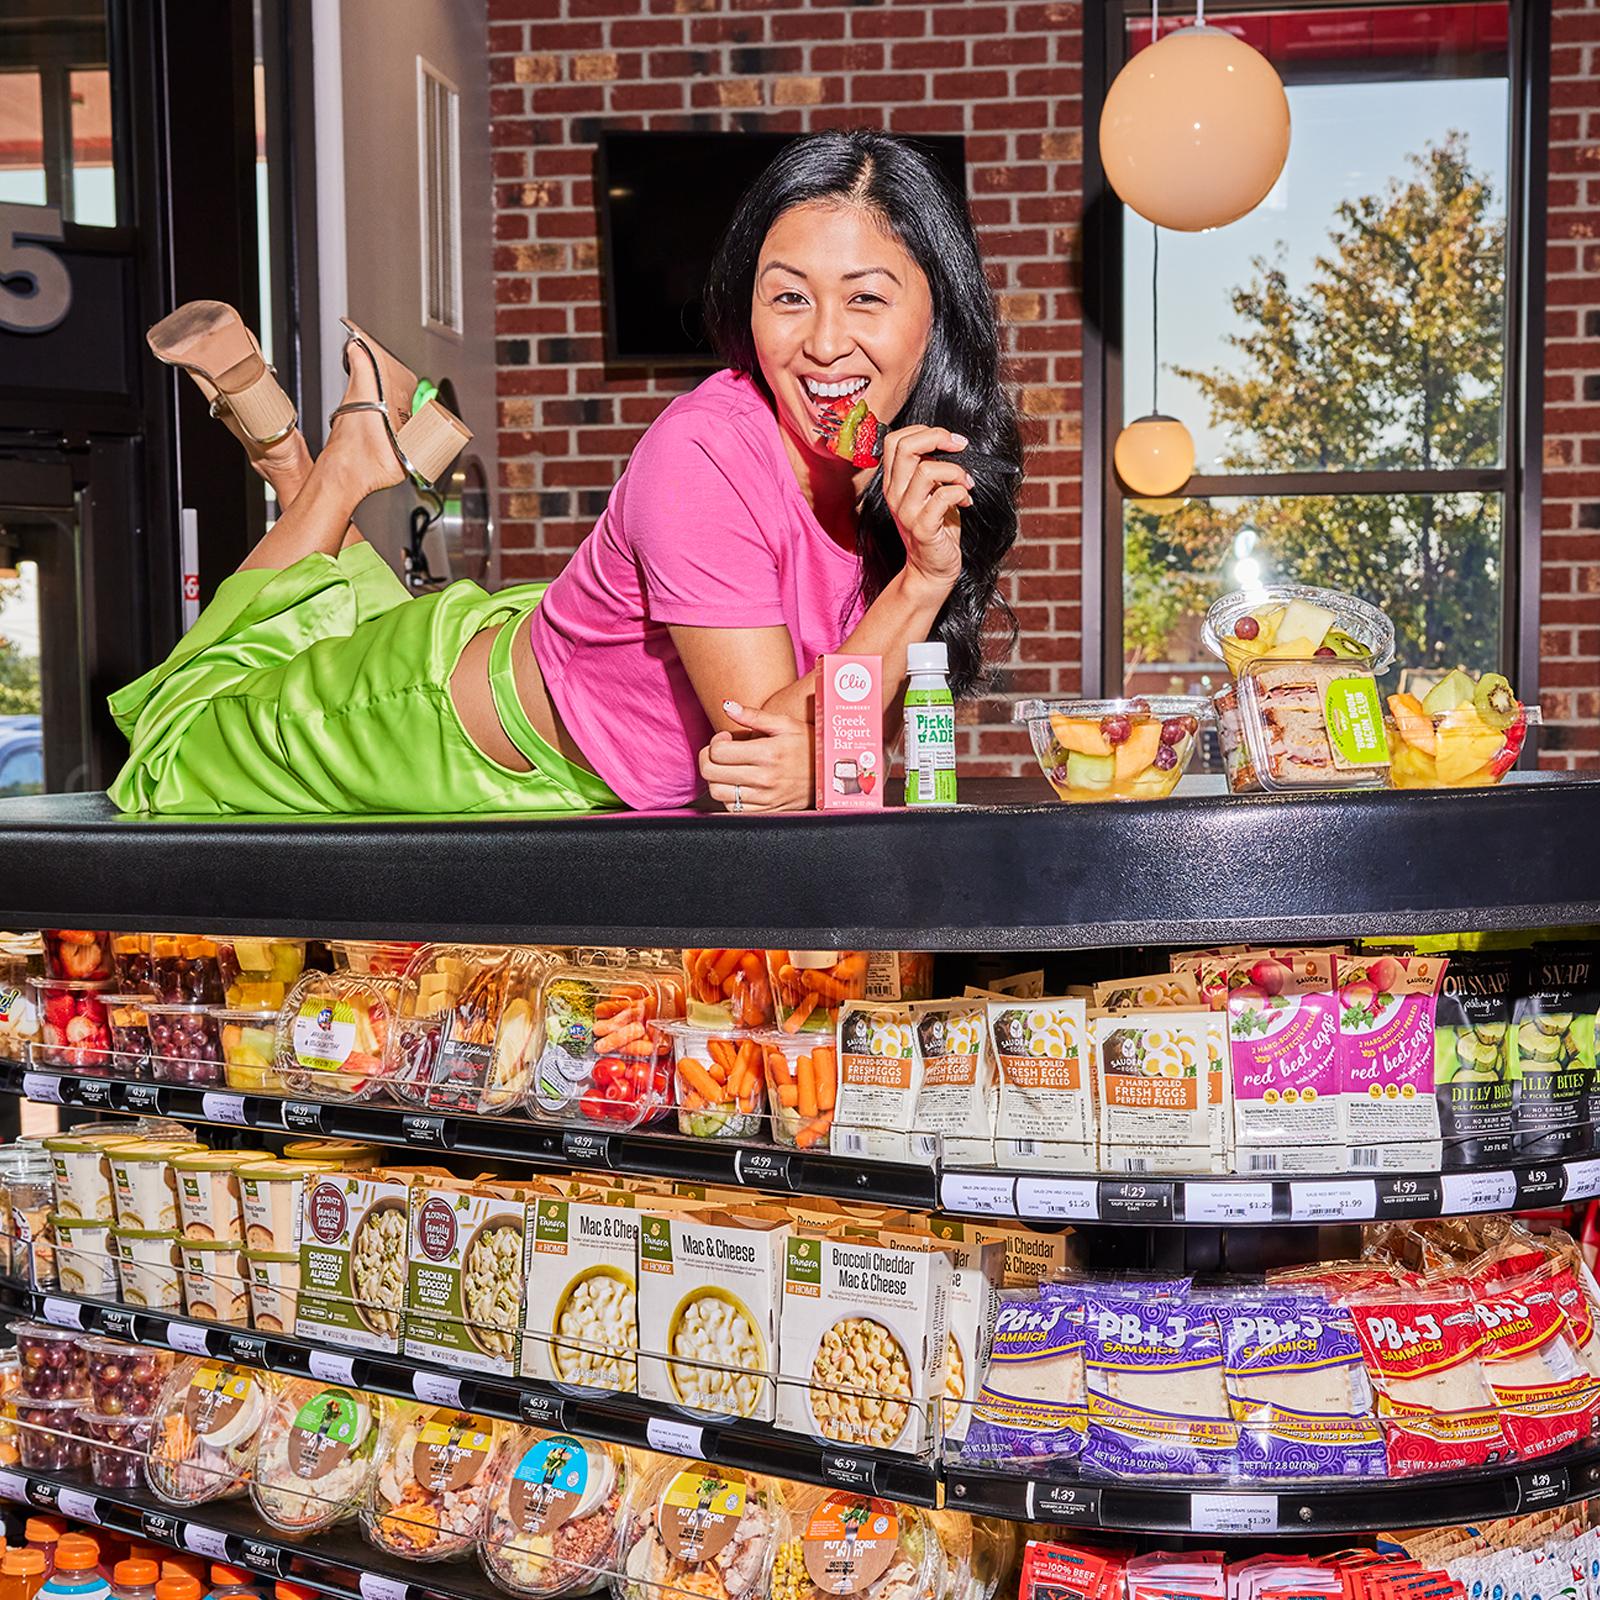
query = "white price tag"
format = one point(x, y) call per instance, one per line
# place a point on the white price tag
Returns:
point(205, 1541)
point(1332, 1202)
point(675, 1438)
point(1058, 1199)
point(62, 1313)
point(223, 1108)
point(332, 1368)
point(1583, 1180)
point(1227, 1202)
point(76, 1504)
point(13, 1486)
point(436, 1388)
point(1233, 1513)
point(374, 1586)
point(978, 1191)
point(189, 1337)
point(39, 1086)
point(1479, 1191)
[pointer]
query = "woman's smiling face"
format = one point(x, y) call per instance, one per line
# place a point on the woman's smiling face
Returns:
point(839, 309)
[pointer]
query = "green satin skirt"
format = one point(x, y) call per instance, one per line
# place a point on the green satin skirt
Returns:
point(324, 688)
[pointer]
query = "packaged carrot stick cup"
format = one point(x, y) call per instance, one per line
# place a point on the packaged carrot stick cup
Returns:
point(802, 1077)
point(809, 986)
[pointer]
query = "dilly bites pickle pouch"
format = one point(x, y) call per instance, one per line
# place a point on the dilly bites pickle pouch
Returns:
point(1471, 1058)
point(1386, 1059)
point(1046, 1115)
point(1552, 1053)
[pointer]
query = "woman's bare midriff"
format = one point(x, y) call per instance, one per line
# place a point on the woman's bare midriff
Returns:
point(474, 702)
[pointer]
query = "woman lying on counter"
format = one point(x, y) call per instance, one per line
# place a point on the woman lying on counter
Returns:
point(760, 523)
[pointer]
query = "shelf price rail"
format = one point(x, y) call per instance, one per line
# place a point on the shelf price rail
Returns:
point(1038, 1197)
point(619, 1419)
point(336, 1564)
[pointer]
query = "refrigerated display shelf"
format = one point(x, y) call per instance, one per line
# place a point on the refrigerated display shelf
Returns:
point(621, 1419)
point(1009, 870)
point(1034, 1196)
point(338, 1563)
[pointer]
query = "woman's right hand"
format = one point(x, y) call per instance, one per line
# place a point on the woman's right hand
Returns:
point(925, 498)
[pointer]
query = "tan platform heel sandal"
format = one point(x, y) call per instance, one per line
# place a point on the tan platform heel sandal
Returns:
point(428, 440)
point(210, 342)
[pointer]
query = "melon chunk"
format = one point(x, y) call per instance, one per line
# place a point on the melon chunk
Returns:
point(1076, 733)
point(1138, 750)
point(1302, 620)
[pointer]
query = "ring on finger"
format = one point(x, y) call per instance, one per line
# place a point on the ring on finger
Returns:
point(738, 797)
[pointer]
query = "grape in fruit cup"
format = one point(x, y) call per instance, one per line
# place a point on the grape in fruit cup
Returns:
point(1296, 622)
point(130, 957)
point(75, 1029)
point(53, 1362)
point(116, 1446)
point(1465, 733)
point(45, 1435)
point(130, 1034)
point(125, 1380)
point(185, 1044)
point(1134, 749)
point(185, 970)
point(77, 953)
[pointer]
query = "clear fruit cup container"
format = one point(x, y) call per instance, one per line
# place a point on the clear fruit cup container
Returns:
point(185, 1043)
point(385, 957)
point(333, 1034)
point(606, 1061)
point(719, 1082)
point(1133, 749)
point(53, 1361)
point(184, 969)
point(1456, 750)
point(1249, 625)
point(130, 1034)
point(74, 1029)
point(125, 1380)
point(258, 972)
point(45, 1437)
point(727, 988)
point(77, 953)
point(116, 1446)
point(130, 960)
point(249, 1038)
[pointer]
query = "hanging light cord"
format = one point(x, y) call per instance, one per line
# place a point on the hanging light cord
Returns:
point(1155, 318)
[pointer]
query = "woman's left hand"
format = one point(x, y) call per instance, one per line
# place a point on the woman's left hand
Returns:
point(770, 768)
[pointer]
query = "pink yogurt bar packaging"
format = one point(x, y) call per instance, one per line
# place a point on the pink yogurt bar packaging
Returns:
point(850, 753)
point(1386, 1059)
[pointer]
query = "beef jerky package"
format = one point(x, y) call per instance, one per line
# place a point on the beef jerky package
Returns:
point(1471, 1058)
point(1552, 1057)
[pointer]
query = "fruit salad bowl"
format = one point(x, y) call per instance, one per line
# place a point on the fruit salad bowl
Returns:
point(1134, 749)
point(1295, 622)
point(1466, 733)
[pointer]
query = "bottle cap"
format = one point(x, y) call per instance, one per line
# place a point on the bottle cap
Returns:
point(43, 1530)
point(183, 1566)
point(180, 1586)
point(233, 1577)
point(136, 1572)
point(930, 657)
point(292, 1591)
point(24, 1562)
point(76, 1552)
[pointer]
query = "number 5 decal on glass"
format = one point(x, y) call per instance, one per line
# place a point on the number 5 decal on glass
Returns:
point(35, 287)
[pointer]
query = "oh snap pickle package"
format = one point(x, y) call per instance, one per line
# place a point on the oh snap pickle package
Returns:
point(1154, 1385)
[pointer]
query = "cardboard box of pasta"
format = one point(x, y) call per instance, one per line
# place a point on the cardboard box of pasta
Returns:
point(354, 1255)
point(710, 1286)
point(863, 1344)
point(581, 1322)
point(977, 1272)
point(1032, 1256)
point(464, 1275)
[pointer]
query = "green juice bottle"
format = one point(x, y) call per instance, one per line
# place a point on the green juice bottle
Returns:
point(930, 728)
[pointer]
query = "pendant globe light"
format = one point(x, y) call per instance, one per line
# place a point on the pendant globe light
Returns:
point(1154, 454)
point(1195, 129)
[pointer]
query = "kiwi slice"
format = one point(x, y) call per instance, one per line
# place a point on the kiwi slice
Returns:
point(1496, 702)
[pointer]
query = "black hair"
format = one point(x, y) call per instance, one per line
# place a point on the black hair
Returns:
point(958, 385)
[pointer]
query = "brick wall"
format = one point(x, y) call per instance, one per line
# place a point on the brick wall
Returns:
point(1008, 76)
point(1569, 633)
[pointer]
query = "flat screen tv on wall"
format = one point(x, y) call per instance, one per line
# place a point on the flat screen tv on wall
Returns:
point(664, 200)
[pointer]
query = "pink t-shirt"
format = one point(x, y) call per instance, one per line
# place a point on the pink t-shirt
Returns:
point(707, 527)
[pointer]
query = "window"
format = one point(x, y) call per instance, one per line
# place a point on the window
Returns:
point(1345, 356)
point(439, 152)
